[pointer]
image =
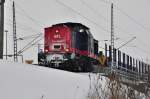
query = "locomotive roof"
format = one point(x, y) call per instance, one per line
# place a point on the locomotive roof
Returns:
point(71, 24)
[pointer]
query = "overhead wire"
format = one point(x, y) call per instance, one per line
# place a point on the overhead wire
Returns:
point(143, 50)
point(29, 36)
point(21, 28)
point(35, 40)
point(91, 21)
point(118, 27)
point(129, 16)
point(19, 24)
point(89, 6)
point(98, 14)
point(86, 17)
point(126, 43)
point(27, 15)
point(126, 14)
point(30, 44)
point(145, 45)
point(94, 11)
point(132, 19)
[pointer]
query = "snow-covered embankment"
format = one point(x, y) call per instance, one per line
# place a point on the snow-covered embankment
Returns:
point(21, 81)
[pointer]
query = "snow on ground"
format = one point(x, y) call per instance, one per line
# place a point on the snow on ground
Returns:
point(22, 81)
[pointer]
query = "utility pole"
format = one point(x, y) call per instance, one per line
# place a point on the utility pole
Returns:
point(6, 31)
point(1, 27)
point(112, 38)
point(14, 34)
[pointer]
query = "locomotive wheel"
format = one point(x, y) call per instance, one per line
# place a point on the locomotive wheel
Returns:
point(84, 65)
point(69, 65)
point(76, 65)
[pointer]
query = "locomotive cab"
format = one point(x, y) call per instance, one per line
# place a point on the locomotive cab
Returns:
point(57, 38)
point(57, 42)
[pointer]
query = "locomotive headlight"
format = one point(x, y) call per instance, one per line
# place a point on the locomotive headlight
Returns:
point(67, 50)
point(57, 31)
point(46, 50)
point(81, 30)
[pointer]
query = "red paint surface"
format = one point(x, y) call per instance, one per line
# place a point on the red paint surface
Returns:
point(60, 35)
point(57, 35)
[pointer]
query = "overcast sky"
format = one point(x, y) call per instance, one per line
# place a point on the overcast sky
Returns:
point(131, 18)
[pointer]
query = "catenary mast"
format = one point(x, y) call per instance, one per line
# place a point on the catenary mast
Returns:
point(1, 27)
point(14, 34)
point(112, 38)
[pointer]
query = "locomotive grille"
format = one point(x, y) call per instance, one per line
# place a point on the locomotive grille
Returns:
point(56, 46)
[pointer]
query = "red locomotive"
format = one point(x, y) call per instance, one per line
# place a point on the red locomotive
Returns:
point(69, 46)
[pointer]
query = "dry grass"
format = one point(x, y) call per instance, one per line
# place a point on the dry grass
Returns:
point(113, 89)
